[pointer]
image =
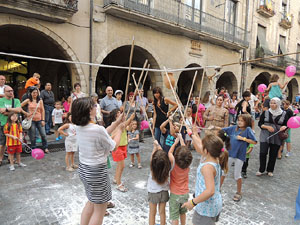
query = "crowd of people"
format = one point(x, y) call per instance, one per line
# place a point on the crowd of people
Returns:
point(219, 126)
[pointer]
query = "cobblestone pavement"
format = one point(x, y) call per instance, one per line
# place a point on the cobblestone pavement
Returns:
point(44, 193)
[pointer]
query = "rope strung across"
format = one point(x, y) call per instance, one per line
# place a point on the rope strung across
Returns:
point(139, 68)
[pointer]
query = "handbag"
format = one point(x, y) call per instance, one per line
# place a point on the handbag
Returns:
point(283, 135)
point(26, 123)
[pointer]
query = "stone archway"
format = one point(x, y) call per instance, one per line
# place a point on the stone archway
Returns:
point(292, 89)
point(117, 77)
point(65, 51)
point(184, 83)
point(228, 81)
point(262, 78)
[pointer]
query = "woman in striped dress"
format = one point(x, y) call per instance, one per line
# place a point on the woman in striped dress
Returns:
point(94, 144)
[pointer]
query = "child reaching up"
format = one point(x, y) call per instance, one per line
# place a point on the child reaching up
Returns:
point(70, 142)
point(13, 133)
point(275, 87)
point(133, 144)
point(179, 182)
point(208, 199)
point(158, 184)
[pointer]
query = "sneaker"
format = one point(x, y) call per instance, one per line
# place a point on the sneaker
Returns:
point(38, 140)
point(70, 169)
point(258, 174)
point(22, 164)
point(139, 166)
point(131, 165)
point(57, 139)
point(288, 154)
point(11, 168)
point(244, 175)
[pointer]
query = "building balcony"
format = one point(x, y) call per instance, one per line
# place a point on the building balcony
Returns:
point(58, 11)
point(286, 21)
point(174, 17)
point(266, 8)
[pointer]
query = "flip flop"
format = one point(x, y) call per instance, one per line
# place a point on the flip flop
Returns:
point(106, 213)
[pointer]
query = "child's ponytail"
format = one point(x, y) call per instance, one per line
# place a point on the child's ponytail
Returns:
point(223, 160)
point(225, 138)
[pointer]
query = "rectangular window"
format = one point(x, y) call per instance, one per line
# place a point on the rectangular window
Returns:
point(282, 47)
point(261, 41)
point(231, 12)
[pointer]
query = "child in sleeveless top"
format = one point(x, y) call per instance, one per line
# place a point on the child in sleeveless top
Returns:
point(275, 87)
point(70, 142)
point(179, 180)
point(158, 184)
point(208, 200)
point(133, 144)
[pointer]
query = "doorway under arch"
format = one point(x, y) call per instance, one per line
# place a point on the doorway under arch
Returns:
point(28, 41)
point(117, 77)
point(228, 81)
point(292, 90)
point(262, 78)
point(185, 81)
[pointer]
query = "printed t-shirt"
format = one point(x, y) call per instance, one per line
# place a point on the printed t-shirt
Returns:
point(169, 141)
point(57, 113)
point(7, 103)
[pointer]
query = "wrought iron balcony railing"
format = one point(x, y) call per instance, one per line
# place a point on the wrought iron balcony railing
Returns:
point(177, 13)
point(286, 20)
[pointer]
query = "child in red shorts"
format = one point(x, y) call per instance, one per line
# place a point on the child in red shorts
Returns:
point(13, 133)
point(120, 154)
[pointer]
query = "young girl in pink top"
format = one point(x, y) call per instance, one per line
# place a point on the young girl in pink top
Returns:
point(179, 182)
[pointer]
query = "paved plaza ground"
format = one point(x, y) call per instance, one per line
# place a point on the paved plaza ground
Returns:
point(44, 193)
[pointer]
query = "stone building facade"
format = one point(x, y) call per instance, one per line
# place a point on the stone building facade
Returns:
point(168, 33)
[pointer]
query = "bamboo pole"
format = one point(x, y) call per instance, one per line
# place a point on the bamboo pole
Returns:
point(174, 93)
point(259, 59)
point(128, 74)
point(146, 75)
point(144, 108)
point(191, 90)
point(202, 78)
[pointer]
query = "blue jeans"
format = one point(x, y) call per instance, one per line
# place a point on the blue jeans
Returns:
point(158, 136)
point(48, 117)
point(231, 118)
point(37, 125)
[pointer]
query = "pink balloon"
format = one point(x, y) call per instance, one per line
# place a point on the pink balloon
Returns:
point(296, 111)
point(294, 122)
point(144, 125)
point(37, 153)
point(261, 88)
point(290, 71)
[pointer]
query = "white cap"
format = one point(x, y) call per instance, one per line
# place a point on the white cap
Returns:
point(118, 91)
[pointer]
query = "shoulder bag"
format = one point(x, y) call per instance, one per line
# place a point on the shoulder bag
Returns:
point(26, 123)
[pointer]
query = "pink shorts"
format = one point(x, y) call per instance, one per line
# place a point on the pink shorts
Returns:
point(120, 154)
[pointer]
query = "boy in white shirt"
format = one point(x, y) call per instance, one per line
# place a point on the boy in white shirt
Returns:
point(57, 118)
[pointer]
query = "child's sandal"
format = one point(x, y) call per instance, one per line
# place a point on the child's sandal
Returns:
point(139, 166)
point(131, 165)
point(237, 197)
point(122, 188)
